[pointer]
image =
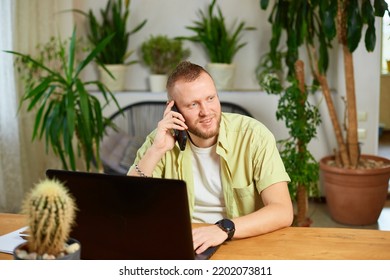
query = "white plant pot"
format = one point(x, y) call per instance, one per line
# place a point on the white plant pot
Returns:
point(223, 75)
point(118, 71)
point(158, 82)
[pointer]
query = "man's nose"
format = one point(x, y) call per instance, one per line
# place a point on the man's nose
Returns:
point(204, 109)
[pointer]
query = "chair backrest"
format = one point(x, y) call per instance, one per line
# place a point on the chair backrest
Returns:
point(118, 148)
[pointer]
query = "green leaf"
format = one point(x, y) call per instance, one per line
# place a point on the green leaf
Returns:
point(354, 26)
point(93, 54)
point(36, 94)
point(69, 102)
point(370, 39)
point(71, 59)
point(368, 16)
point(84, 106)
point(27, 58)
point(68, 145)
point(45, 119)
point(380, 7)
point(329, 24)
point(264, 4)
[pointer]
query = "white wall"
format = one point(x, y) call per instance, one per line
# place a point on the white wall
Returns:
point(171, 16)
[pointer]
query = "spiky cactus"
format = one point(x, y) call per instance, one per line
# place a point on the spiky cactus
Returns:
point(51, 211)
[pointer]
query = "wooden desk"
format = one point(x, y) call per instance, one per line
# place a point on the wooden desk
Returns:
point(9, 223)
point(293, 243)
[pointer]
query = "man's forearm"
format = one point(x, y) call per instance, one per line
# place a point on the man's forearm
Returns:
point(147, 163)
point(277, 213)
point(265, 220)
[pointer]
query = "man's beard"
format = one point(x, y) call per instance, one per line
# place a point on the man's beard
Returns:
point(206, 134)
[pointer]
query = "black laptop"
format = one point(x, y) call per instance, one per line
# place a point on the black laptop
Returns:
point(126, 217)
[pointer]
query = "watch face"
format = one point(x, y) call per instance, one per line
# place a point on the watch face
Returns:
point(227, 224)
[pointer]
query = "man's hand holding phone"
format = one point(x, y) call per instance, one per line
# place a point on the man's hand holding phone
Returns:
point(165, 138)
point(180, 135)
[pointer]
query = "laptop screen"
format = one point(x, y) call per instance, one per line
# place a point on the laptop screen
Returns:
point(125, 217)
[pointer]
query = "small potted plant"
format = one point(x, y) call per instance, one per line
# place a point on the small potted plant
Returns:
point(113, 59)
point(161, 54)
point(51, 213)
point(220, 42)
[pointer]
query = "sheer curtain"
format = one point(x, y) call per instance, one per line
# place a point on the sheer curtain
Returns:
point(24, 24)
point(11, 189)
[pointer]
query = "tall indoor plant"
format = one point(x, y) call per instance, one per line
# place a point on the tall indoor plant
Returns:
point(65, 110)
point(113, 20)
point(220, 42)
point(301, 119)
point(315, 25)
point(161, 54)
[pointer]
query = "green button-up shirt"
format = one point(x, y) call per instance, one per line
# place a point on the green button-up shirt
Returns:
point(250, 162)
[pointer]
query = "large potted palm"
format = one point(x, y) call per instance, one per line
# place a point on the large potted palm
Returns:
point(67, 116)
point(220, 42)
point(315, 24)
point(115, 56)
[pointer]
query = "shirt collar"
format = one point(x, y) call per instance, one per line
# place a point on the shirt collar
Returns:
point(223, 144)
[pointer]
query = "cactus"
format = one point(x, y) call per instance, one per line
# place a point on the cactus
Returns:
point(51, 212)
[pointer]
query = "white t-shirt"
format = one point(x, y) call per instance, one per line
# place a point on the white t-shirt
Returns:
point(209, 199)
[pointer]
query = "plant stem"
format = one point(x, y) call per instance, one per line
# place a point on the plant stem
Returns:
point(302, 200)
point(342, 153)
point(352, 139)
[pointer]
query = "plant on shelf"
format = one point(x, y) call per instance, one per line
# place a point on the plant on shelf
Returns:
point(65, 110)
point(51, 213)
point(220, 42)
point(315, 24)
point(161, 55)
point(115, 55)
point(301, 119)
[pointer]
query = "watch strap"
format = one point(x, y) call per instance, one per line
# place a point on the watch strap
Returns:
point(227, 226)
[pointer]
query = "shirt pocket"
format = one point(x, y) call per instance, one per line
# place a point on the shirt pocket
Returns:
point(247, 199)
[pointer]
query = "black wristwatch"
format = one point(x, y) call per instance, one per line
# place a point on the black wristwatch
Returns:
point(227, 226)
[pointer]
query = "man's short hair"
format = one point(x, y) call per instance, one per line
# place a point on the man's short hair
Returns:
point(185, 71)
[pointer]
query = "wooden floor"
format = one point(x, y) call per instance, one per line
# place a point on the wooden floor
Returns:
point(320, 217)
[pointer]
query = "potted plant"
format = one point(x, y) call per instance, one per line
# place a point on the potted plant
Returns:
point(301, 119)
point(115, 55)
point(315, 26)
point(65, 110)
point(51, 213)
point(161, 55)
point(220, 43)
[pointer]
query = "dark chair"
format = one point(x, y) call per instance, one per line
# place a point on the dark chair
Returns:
point(118, 148)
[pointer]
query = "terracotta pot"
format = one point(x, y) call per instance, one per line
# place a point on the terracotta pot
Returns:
point(355, 196)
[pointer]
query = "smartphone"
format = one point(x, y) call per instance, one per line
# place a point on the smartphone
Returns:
point(180, 135)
